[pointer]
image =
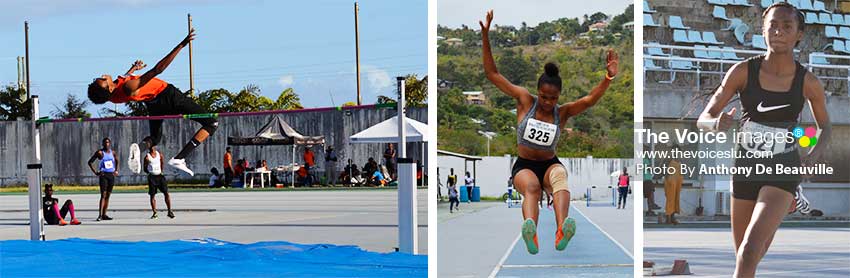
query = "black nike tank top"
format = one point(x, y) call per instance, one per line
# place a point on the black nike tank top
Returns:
point(775, 109)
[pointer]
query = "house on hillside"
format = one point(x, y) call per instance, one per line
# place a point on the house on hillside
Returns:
point(475, 98)
point(445, 84)
point(598, 27)
point(454, 41)
point(629, 26)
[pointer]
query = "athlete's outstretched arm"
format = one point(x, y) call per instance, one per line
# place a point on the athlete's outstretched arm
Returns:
point(519, 93)
point(578, 106)
point(713, 118)
point(814, 93)
point(137, 65)
point(162, 65)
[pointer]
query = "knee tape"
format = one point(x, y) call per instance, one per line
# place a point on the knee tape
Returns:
point(558, 179)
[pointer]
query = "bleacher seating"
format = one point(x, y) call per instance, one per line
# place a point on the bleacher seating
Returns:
point(700, 51)
point(741, 33)
point(727, 31)
point(710, 38)
point(733, 23)
point(647, 21)
point(844, 32)
point(650, 65)
point(719, 12)
point(680, 36)
point(646, 8)
point(743, 3)
point(837, 19)
point(695, 36)
point(758, 42)
point(730, 55)
point(675, 22)
point(831, 32)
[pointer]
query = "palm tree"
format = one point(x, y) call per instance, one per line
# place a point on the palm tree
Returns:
point(288, 100)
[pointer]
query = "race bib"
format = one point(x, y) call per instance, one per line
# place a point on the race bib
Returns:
point(759, 138)
point(108, 165)
point(540, 133)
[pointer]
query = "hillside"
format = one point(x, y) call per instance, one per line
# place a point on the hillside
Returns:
point(604, 130)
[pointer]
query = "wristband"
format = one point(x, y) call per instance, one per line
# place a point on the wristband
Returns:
point(609, 77)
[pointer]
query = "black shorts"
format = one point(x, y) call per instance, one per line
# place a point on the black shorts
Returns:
point(172, 101)
point(157, 182)
point(747, 188)
point(538, 167)
point(107, 182)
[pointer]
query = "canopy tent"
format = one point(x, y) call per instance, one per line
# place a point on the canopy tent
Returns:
point(387, 132)
point(278, 132)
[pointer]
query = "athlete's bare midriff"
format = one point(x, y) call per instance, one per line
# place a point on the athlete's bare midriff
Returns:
point(530, 153)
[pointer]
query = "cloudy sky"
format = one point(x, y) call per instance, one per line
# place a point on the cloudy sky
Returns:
point(453, 13)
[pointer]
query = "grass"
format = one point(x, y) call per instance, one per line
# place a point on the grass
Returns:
point(87, 189)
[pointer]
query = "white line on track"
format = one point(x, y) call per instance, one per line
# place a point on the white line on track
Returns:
point(504, 257)
point(604, 233)
point(565, 265)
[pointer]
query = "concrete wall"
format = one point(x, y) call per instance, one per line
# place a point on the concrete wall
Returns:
point(831, 198)
point(493, 173)
point(66, 147)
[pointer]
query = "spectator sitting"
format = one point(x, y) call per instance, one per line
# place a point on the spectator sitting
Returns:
point(370, 167)
point(350, 174)
point(239, 170)
point(215, 178)
point(304, 177)
point(379, 179)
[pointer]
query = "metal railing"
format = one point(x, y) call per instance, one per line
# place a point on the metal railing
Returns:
point(700, 65)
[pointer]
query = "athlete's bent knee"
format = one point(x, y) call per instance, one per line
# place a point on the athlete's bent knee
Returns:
point(558, 179)
point(210, 127)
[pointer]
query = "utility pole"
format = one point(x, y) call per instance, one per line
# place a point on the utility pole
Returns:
point(191, 76)
point(357, 52)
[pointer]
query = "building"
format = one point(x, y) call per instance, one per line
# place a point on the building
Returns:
point(598, 27)
point(454, 41)
point(475, 98)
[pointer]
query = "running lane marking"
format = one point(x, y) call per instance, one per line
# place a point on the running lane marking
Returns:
point(504, 257)
point(605, 233)
point(564, 265)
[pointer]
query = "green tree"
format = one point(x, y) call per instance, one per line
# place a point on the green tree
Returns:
point(73, 108)
point(287, 100)
point(215, 100)
point(14, 105)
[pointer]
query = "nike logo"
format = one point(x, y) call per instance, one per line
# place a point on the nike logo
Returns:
point(763, 109)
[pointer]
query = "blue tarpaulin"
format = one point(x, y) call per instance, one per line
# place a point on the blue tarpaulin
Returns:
point(201, 257)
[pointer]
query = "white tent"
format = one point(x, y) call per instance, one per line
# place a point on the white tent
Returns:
point(387, 132)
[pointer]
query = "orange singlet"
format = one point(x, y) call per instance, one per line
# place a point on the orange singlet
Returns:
point(147, 92)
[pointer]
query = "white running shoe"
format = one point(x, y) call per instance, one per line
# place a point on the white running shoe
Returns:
point(180, 164)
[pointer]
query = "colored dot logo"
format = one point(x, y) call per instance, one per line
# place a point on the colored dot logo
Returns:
point(806, 137)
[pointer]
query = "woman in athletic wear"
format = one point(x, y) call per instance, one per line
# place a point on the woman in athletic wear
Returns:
point(540, 120)
point(54, 215)
point(160, 98)
point(623, 188)
point(106, 172)
point(153, 164)
point(773, 89)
